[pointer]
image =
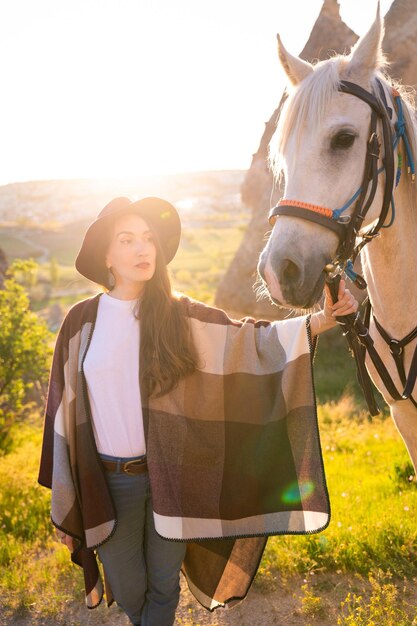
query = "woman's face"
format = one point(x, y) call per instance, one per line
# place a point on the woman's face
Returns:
point(132, 252)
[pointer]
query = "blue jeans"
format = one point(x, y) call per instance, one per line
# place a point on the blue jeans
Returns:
point(141, 567)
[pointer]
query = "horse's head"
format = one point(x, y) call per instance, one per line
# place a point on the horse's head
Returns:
point(320, 148)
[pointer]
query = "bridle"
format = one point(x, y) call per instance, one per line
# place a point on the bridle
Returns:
point(347, 228)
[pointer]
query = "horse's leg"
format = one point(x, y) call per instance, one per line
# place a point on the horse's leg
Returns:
point(404, 415)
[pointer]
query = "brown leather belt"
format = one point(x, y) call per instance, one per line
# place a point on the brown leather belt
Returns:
point(136, 466)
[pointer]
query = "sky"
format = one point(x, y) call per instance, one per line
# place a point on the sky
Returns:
point(115, 88)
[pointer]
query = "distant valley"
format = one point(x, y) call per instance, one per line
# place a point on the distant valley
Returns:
point(55, 202)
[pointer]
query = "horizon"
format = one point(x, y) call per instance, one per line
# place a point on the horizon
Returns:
point(181, 88)
point(130, 179)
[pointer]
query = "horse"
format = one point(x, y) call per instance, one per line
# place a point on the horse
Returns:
point(326, 138)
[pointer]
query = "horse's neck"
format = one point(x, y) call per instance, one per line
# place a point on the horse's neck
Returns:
point(390, 269)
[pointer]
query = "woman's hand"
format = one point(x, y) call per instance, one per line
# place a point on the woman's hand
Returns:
point(325, 319)
point(65, 539)
point(346, 302)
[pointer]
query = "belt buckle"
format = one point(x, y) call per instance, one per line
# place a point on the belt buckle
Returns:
point(132, 462)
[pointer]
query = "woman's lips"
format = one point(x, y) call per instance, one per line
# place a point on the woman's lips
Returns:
point(143, 266)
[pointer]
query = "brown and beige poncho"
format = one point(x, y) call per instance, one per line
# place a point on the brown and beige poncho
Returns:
point(233, 452)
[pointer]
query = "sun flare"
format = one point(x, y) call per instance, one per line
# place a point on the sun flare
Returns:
point(98, 89)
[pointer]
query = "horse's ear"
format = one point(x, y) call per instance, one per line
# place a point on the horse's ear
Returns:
point(366, 56)
point(295, 68)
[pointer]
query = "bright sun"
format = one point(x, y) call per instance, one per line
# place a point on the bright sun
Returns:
point(103, 88)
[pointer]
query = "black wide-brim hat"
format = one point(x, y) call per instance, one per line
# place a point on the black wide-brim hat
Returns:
point(161, 216)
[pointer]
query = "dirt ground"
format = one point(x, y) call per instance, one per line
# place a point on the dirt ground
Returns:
point(279, 605)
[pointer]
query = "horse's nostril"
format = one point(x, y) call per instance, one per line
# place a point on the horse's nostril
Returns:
point(290, 273)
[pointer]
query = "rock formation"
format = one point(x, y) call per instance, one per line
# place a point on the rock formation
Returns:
point(400, 41)
point(235, 293)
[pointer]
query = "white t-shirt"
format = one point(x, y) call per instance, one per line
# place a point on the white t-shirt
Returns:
point(111, 369)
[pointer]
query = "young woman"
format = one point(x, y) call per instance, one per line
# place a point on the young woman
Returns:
point(175, 436)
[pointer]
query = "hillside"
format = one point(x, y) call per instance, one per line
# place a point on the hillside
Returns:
point(46, 220)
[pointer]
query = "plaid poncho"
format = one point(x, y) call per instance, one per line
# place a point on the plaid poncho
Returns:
point(233, 452)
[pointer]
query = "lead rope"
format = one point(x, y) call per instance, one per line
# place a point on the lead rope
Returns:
point(357, 334)
point(358, 340)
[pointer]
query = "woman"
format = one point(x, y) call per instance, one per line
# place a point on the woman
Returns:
point(175, 435)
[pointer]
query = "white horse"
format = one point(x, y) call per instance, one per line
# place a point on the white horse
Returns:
point(319, 147)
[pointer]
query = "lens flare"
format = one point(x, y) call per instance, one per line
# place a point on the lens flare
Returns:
point(297, 492)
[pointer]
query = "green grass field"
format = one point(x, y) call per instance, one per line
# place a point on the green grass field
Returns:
point(372, 532)
point(373, 496)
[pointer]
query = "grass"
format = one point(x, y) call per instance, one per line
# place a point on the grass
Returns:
point(31, 562)
point(386, 605)
point(372, 533)
point(373, 524)
point(335, 371)
point(372, 529)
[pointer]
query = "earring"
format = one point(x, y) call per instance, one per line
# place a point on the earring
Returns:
point(110, 278)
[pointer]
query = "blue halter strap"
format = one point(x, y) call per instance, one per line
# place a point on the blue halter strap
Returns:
point(400, 133)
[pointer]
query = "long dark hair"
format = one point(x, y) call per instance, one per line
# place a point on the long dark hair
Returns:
point(167, 351)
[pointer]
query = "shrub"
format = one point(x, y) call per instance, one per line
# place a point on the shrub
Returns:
point(24, 348)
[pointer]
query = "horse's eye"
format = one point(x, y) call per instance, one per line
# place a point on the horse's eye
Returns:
point(342, 140)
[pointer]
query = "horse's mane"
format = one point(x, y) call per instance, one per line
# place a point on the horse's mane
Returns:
point(307, 103)
point(408, 97)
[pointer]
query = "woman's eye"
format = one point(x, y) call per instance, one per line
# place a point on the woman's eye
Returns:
point(342, 140)
point(125, 241)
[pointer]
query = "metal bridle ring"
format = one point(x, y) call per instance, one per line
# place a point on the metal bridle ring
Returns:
point(395, 347)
